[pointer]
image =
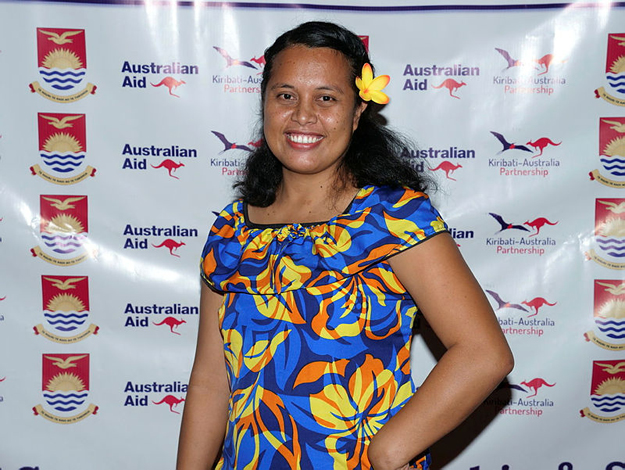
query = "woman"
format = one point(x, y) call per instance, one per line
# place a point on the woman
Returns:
point(311, 284)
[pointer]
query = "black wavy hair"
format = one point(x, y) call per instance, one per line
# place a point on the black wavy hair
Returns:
point(374, 155)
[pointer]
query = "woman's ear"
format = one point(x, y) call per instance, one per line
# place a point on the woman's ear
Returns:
point(360, 108)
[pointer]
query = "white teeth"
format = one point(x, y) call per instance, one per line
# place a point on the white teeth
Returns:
point(304, 139)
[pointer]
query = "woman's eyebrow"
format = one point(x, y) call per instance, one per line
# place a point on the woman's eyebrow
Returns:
point(321, 87)
point(282, 85)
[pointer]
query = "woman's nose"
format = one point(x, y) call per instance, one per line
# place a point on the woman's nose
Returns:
point(304, 113)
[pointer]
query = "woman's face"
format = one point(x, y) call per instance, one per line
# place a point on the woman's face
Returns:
point(310, 110)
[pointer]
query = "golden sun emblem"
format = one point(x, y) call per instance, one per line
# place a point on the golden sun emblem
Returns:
point(65, 382)
point(65, 303)
point(613, 309)
point(610, 387)
point(615, 147)
point(64, 224)
point(613, 228)
point(62, 59)
point(62, 142)
point(618, 66)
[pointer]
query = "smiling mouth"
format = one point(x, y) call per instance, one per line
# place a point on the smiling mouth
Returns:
point(304, 138)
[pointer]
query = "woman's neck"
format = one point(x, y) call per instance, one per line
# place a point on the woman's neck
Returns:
point(305, 200)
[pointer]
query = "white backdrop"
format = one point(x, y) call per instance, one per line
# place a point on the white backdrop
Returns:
point(112, 160)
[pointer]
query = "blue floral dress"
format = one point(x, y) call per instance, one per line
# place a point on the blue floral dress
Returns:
point(317, 329)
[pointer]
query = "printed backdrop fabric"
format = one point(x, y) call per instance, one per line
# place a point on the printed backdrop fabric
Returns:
point(123, 127)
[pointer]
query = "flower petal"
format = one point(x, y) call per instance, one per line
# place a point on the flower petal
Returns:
point(378, 97)
point(367, 74)
point(379, 83)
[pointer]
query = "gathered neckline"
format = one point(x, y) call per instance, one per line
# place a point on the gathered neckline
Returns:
point(253, 225)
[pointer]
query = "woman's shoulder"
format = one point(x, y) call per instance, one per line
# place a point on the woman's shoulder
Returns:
point(230, 214)
point(390, 199)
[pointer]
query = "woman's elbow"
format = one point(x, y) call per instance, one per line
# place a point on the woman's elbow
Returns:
point(503, 362)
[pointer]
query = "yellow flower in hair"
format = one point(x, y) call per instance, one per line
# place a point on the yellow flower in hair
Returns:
point(371, 88)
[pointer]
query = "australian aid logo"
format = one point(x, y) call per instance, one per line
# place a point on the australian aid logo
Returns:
point(63, 229)
point(447, 80)
point(529, 317)
point(528, 74)
point(166, 160)
point(168, 318)
point(62, 148)
point(608, 315)
point(62, 62)
point(533, 157)
point(168, 239)
point(167, 395)
point(448, 162)
point(614, 71)
point(65, 302)
point(239, 74)
point(607, 392)
point(609, 239)
point(532, 237)
point(65, 388)
point(611, 153)
point(168, 77)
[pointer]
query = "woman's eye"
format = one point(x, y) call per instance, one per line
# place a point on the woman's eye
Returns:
point(285, 96)
point(327, 98)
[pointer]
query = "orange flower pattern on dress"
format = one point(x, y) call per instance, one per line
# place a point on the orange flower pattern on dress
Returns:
point(317, 330)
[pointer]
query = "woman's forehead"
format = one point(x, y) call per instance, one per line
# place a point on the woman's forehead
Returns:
point(299, 63)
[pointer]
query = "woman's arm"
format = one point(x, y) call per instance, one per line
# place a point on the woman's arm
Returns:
point(206, 406)
point(476, 360)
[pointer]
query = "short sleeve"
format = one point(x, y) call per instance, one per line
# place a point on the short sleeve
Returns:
point(380, 222)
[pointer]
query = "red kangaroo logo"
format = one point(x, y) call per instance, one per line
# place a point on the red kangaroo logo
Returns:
point(259, 60)
point(2, 379)
point(171, 245)
point(171, 83)
point(172, 323)
point(452, 85)
point(171, 401)
point(448, 168)
point(537, 224)
point(540, 144)
point(536, 303)
point(2, 298)
point(535, 384)
point(545, 61)
point(170, 166)
point(256, 144)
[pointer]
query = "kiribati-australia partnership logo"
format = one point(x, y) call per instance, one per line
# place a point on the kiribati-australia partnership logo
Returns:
point(527, 238)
